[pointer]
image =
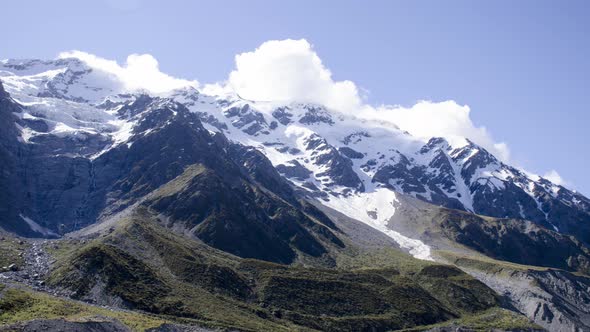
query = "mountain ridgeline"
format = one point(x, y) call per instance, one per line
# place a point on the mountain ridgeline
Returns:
point(227, 213)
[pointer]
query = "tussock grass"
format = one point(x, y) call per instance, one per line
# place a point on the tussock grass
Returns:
point(19, 305)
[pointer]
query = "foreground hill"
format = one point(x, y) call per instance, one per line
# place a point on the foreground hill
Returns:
point(141, 265)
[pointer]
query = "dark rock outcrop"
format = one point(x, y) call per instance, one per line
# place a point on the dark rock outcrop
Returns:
point(338, 168)
point(62, 325)
point(294, 171)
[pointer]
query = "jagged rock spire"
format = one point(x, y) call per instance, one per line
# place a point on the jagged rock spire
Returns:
point(3, 92)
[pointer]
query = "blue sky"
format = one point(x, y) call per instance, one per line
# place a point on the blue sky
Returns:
point(523, 67)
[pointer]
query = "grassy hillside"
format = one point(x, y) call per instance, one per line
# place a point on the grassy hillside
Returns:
point(489, 320)
point(17, 305)
point(517, 241)
point(11, 249)
point(142, 265)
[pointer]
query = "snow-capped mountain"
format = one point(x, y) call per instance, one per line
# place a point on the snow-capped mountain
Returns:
point(341, 159)
point(84, 156)
point(356, 166)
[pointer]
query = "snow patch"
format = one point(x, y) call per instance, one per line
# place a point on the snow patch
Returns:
point(36, 227)
point(376, 209)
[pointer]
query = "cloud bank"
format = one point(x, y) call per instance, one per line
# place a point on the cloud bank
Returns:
point(443, 119)
point(290, 70)
point(140, 72)
point(554, 177)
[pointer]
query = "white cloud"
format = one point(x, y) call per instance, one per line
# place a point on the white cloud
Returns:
point(140, 72)
point(554, 177)
point(290, 70)
point(445, 119)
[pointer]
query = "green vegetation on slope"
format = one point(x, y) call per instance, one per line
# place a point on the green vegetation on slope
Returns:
point(489, 320)
point(517, 241)
point(146, 266)
point(231, 213)
point(18, 305)
point(10, 250)
point(484, 263)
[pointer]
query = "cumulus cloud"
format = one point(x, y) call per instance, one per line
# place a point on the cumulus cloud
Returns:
point(443, 119)
point(554, 177)
point(290, 70)
point(140, 72)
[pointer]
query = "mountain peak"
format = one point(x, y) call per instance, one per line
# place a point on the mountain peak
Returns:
point(434, 143)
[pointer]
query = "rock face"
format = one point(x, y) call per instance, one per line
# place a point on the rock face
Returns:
point(294, 170)
point(555, 300)
point(3, 92)
point(66, 326)
point(337, 169)
point(11, 166)
point(248, 120)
